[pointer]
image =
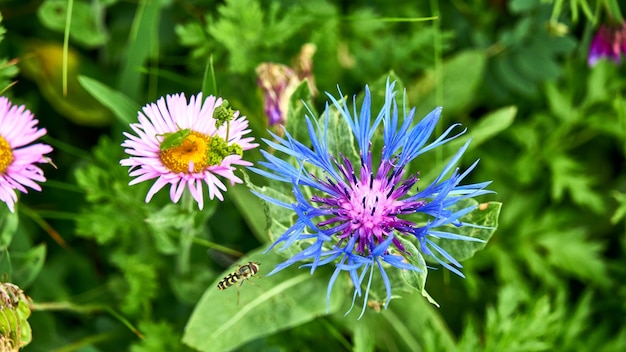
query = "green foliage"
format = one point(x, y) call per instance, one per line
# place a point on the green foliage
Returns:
point(244, 27)
point(9, 223)
point(124, 109)
point(109, 272)
point(8, 69)
point(461, 76)
point(86, 28)
point(481, 223)
point(300, 103)
point(264, 305)
point(158, 336)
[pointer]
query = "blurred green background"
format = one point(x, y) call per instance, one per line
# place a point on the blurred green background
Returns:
point(100, 263)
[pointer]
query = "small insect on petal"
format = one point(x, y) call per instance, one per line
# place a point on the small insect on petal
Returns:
point(174, 139)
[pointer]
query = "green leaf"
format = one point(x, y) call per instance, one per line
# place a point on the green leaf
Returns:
point(8, 226)
point(487, 127)
point(485, 215)
point(568, 249)
point(299, 105)
point(569, 175)
point(362, 338)
point(143, 42)
point(209, 83)
point(560, 104)
point(598, 83)
point(415, 279)
point(410, 324)
point(620, 212)
point(251, 207)
point(158, 336)
point(124, 108)
point(266, 305)
point(461, 76)
point(84, 29)
point(6, 267)
point(28, 265)
point(278, 219)
point(245, 29)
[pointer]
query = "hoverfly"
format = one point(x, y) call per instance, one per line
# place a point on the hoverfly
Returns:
point(244, 272)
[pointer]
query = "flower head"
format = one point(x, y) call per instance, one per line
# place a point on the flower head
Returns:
point(180, 144)
point(18, 128)
point(353, 213)
point(279, 82)
point(609, 42)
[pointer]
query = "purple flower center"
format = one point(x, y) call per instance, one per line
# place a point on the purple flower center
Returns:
point(368, 205)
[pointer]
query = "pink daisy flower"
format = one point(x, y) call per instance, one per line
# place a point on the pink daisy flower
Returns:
point(182, 145)
point(18, 128)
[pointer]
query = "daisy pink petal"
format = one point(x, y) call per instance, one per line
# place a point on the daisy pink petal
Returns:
point(176, 190)
point(18, 129)
point(158, 184)
point(195, 187)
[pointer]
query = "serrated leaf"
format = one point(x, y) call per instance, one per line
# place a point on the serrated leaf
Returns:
point(269, 304)
point(340, 137)
point(297, 111)
point(485, 215)
point(124, 108)
point(568, 249)
point(416, 279)
point(560, 104)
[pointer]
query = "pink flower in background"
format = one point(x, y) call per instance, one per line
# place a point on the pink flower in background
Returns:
point(279, 82)
point(608, 42)
point(18, 128)
point(182, 145)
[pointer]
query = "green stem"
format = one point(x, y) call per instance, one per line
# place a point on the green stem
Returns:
point(85, 309)
point(66, 43)
point(187, 235)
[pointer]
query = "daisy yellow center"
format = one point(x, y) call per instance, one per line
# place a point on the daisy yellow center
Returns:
point(197, 148)
point(6, 155)
point(194, 148)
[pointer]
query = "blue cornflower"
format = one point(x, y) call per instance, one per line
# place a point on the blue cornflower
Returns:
point(356, 210)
